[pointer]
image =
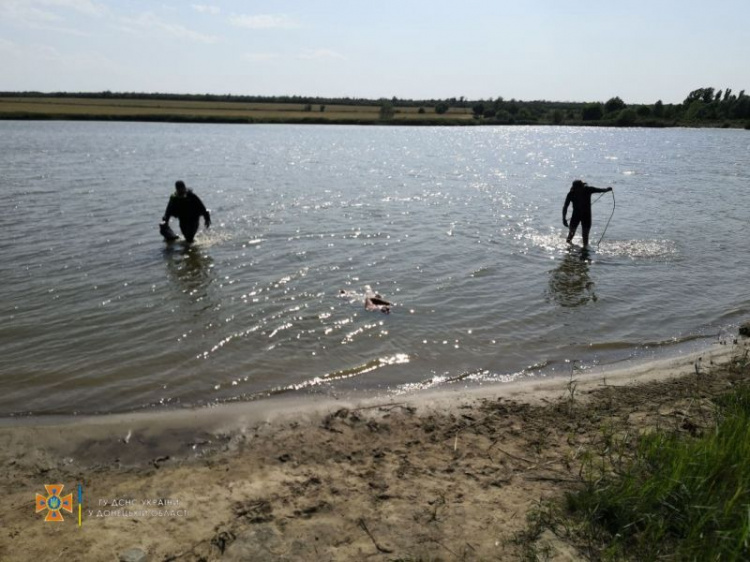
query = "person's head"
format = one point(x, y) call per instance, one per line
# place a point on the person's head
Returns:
point(577, 184)
point(180, 188)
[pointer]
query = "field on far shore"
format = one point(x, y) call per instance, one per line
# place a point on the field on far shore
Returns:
point(214, 111)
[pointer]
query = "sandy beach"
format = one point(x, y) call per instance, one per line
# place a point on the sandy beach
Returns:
point(450, 475)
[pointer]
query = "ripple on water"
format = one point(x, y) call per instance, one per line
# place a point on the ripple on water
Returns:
point(460, 227)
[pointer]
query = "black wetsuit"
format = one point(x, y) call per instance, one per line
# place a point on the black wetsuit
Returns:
point(580, 196)
point(188, 210)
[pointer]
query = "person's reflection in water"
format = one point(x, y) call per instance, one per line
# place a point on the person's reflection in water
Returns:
point(569, 283)
point(191, 269)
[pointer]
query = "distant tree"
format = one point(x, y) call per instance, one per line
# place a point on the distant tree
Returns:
point(441, 108)
point(741, 108)
point(386, 110)
point(658, 109)
point(706, 95)
point(697, 110)
point(557, 117)
point(643, 111)
point(524, 114)
point(613, 105)
point(503, 116)
point(592, 112)
point(322, 108)
point(627, 117)
point(478, 109)
point(420, 110)
point(692, 96)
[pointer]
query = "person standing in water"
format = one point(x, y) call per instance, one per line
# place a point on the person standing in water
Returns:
point(580, 196)
point(188, 208)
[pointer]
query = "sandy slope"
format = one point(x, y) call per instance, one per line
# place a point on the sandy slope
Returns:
point(445, 476)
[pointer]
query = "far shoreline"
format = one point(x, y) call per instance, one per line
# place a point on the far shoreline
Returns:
point(296, 110)
point(354, 122)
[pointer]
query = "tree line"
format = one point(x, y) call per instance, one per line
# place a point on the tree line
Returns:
point(704, 106)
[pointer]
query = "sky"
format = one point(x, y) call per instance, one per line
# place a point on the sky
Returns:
point(557, 50)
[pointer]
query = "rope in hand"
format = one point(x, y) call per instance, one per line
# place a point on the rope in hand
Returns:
point(614, 204)
point(597, 199)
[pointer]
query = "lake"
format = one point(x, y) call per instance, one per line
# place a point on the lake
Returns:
point(459, 227)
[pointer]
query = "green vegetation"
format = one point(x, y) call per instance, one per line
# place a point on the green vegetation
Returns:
point(686, 498)
point(592, 112)
point(677, 494)
point(702, 107)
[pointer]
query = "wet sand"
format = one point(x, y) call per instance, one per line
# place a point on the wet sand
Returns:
point(449, 475)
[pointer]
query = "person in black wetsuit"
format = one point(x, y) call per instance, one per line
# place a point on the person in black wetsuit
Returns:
point(580, 195)
point(188, 208)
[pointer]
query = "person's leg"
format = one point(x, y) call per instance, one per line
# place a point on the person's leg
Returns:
point(189, 228)
point(585, 229)
point(574, 220)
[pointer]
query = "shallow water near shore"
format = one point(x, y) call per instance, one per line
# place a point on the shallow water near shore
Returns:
point(459, 228)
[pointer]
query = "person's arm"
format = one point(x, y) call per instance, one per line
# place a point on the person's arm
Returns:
point(593, 189)
point(169, 212)
point(202, 210)
point(568, 199)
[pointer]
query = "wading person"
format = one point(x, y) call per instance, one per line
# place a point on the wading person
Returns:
point(580, 196)
point(188, 208)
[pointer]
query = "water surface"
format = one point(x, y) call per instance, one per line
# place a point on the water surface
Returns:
point(459, 227)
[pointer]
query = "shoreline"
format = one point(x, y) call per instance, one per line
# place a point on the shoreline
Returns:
point(449, 474)
point(255, 408)
point(374, 122)
point(187, 108)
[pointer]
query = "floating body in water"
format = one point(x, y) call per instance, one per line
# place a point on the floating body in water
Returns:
point(376, 302)
point(373, 301)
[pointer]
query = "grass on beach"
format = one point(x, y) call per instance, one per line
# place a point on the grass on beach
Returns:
point(681, 494)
